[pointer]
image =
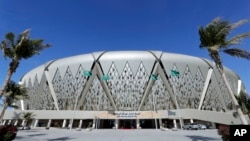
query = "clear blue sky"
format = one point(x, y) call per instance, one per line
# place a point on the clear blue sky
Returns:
point(84, 26)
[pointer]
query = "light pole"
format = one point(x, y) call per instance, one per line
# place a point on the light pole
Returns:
point(72, 119)
point(154, 111)
point(177, 107)
point(176, 73)
point(99, 101)
point(154, 78)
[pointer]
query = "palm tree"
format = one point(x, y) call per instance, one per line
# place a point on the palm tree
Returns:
point(27, 116)
point(17, 49)
point(13, 93)
point(214, 38)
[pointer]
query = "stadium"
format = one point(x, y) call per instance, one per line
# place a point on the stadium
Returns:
point(127, 89)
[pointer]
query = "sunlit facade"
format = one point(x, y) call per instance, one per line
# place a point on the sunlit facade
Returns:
point(129, 88)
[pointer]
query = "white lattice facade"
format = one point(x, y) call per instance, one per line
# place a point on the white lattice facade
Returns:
point(129, 86)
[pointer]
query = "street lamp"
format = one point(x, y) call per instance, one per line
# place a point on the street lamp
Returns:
point(176, 73)
point(72, 119)
point(154, 111)
point(97, 119)
point(154, 78)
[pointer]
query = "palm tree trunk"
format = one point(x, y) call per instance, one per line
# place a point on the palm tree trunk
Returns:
point(235, 102)
point(3, 110)
point(12, 68)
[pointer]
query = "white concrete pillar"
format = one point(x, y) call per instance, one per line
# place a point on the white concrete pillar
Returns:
point(191, 121)
point(181, 122)
point(49, 123)
point(160, 122)
point(97, 123)
point(9, 122)
point(80, 124)
point(16, 122)
point(175, 124)
point(116, 123)
point(70, 125)
point(64, 123)
point(4, 121)
point(138, 124)
point(93, 125)
point(36, 122)
point(23, 122)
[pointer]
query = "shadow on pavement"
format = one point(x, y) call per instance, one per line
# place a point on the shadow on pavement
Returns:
point(60, 139)
point(37, 135)
point(32, 135)
point(18, 138)
point(27, 130)
point(201, 138)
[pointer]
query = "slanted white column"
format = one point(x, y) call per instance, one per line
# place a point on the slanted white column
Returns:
point(204, 91)
point(64, 123)
point(23, 122)
point(49, 123)
point(9, 122)
point(191, 121)
point(36, 122)
point(16, 122)
point(53, 94)
point(80, 124)
point(4, 122)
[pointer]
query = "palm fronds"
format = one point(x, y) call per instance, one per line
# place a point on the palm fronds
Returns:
point(236, 52)
point(214, 38)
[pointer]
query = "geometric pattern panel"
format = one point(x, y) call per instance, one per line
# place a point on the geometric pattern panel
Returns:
point(63, 89)
point(96, 99)
point(57, 83)
point(40, 97)
point(46, 98)
point(127, 88)
point(212, 100)
point(225, 93)
point(68, 88)
point(198, 85)
point(158, 98)
point(35, 94)
point(28, 104)
point(187, 88)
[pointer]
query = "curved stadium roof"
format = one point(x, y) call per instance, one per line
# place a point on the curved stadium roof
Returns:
point(128, 80)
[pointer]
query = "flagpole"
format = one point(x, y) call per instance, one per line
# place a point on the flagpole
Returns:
point(175, 73)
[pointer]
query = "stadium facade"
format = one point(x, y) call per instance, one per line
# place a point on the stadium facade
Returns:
point(127, 89)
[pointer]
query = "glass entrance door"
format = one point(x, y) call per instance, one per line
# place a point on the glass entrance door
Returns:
point(127, 124)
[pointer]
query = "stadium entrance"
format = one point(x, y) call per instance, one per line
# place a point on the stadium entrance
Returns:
point(126, 120)
point(127, 124)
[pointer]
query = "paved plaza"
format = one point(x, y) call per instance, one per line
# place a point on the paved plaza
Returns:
point(54, 134)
